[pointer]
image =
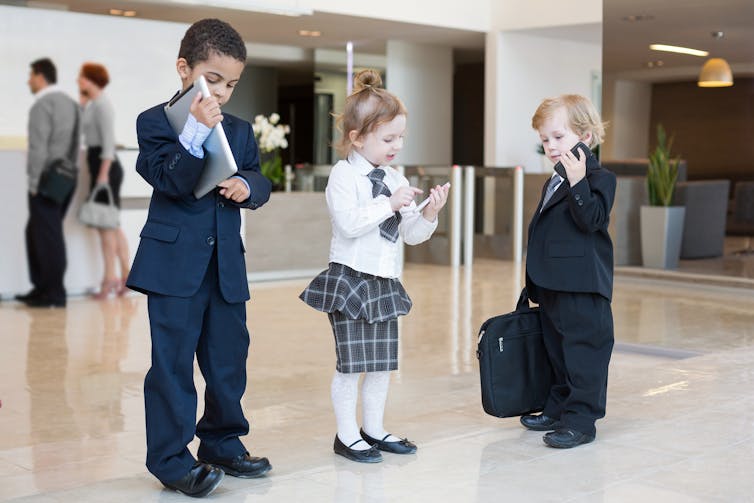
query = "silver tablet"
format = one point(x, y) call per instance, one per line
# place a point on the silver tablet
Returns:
point(220, 163)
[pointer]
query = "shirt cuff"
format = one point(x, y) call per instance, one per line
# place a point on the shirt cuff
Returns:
point(193, 135)
point(244, 182)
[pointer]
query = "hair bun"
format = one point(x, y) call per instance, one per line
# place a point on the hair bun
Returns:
point(366, 79)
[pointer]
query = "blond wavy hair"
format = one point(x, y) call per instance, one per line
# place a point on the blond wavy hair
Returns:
point(582, 116)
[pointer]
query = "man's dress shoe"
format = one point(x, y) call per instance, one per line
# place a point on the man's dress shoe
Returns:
point(403, 446)
point(44, 301)
point(565, 438)
point(23, 297)
point(243, 465)
point(371, 455)
point(201, 480)
point(540, 423)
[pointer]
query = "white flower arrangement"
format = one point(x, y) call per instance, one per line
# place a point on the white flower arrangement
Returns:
point(269, 134)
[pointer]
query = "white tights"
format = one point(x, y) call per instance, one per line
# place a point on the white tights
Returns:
point(344, 393)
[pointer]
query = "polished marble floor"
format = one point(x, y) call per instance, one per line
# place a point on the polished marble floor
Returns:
point(680, 423)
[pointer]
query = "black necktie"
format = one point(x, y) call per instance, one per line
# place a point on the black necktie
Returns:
point(388, 228)
point(554, 181)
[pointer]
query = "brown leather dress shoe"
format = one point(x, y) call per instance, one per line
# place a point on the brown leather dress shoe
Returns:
point(243, 466)
point(200, 481)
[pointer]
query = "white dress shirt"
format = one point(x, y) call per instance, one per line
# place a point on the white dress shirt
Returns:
point(355, 217)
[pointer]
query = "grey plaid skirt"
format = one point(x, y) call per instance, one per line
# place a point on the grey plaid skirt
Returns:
point(358, 295)
point(363, 311)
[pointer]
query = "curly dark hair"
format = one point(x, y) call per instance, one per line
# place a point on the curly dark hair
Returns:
point(211, 36)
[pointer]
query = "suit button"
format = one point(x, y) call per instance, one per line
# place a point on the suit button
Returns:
point(221, 205)
point(177, 156)
point(577, 196)
point(211, 240)
point(581, 203)
point(171, 165)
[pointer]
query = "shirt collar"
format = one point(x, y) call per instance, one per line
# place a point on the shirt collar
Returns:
point(50, 88)
point(361, 164)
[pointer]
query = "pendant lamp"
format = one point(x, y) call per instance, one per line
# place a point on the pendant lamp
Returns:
point(716, 71)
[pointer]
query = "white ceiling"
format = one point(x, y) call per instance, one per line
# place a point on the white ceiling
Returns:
point(687, 23)
point(625, 44)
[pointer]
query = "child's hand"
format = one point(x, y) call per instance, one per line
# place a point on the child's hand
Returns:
point(403, 197)
point(575, 166)
point(234, 189)
point(206, 110)
point(438, 196)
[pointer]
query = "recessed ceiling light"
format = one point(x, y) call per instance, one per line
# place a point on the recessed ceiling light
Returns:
point(116, 12)
point(679, 50)
point(310, 33)
point(637, 18)
point(655, 64)
point(129, 13)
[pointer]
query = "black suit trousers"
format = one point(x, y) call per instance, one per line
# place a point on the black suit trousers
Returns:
point(578, 336)
point(45, 246)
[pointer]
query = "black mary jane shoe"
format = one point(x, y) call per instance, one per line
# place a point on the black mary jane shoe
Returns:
point(199, 482)
point(540, 423)
point(371, 455)
point(565, 438)
point(242, 466)
point(403, 446)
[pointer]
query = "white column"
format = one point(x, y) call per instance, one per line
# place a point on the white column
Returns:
point(422, 77)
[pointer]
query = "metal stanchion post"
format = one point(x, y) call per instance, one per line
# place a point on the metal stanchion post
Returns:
point(288, 177)
point(455, 217)
point(518, 214)
point(468, 216)
point(402, 170)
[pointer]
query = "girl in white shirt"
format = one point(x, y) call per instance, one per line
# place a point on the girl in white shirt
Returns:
point(372, 212)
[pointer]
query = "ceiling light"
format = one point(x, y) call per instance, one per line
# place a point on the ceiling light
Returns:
point(680, 50)
point(716, 71)
point(129, 13)
point(638, 17)
point(310, 33)
point(116, 12)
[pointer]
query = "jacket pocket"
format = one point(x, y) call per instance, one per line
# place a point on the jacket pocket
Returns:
point(160, 231)
point(565, 249)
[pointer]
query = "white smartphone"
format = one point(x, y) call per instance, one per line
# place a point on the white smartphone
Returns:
point(422, 204)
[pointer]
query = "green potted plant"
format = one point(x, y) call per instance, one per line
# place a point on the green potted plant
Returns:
point(661, 223)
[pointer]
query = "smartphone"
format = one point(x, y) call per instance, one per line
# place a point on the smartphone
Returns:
point(560, 169)
point(424, 203)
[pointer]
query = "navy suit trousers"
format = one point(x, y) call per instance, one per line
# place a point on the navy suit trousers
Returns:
point(215, 331)
point(578, 334)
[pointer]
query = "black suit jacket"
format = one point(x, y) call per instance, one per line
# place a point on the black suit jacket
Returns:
point(569, 248)
point(182, 232)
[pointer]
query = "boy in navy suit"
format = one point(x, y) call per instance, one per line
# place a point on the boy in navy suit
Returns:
point(190, 263)
point(569, 270)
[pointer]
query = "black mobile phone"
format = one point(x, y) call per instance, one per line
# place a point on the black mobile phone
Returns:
point(560, 169)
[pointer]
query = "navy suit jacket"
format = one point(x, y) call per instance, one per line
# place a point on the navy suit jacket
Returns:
point(569, 248)
point(182, 232)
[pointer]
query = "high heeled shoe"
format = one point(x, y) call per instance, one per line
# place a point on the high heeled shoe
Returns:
point(108, 286)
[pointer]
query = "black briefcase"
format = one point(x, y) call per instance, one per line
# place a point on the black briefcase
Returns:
point(514, 368)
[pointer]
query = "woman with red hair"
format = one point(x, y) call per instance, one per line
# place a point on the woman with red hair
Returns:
point(98, 126)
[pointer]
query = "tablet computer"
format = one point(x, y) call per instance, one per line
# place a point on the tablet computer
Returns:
point(220, 164)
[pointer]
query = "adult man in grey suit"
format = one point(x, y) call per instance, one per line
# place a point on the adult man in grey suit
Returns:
point(52, 120)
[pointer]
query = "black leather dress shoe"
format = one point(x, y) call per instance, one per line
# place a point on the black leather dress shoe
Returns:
point(566, 438)
point(23, 297)
point(243, 466)
point(371, 455)
point(201, 480)
point(403, 446)
point(540, 423)
point(43, 301)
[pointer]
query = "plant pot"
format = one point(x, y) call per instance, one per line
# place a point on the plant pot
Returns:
point(661, 235)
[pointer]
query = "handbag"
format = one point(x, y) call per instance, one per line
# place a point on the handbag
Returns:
point(58, 179)
point(514, 369)
point(100, 215)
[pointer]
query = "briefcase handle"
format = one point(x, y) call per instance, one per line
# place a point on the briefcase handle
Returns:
point(523, 302)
